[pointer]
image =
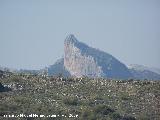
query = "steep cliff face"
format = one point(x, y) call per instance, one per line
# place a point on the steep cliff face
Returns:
point(82, 60)
point(77, 63)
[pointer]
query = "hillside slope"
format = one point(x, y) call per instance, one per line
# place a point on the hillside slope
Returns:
point(87, 98)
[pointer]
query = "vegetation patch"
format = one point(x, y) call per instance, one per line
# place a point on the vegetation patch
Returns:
point(86, 98)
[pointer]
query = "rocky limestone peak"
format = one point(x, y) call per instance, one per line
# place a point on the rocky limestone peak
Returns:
point(70, 39)
point(82, 60)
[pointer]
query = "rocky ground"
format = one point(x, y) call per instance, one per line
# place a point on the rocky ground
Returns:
point(83, 98)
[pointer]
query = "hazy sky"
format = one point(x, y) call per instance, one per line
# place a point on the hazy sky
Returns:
point(32, 32)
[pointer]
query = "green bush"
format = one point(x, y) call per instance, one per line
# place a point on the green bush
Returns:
point(103, 109)
point(124, 96)
point(128, 118)
point(115, 116)
point(22, 100)
point(88, 114)
point(70, 101)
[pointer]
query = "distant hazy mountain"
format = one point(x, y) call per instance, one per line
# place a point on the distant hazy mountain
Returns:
point(143, 72)
point(142, 67)
point(7, 69)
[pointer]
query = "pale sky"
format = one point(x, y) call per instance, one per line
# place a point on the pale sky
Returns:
point(32, 32)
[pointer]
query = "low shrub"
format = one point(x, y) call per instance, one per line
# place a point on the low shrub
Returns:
point(70, 101)
point(103, 109)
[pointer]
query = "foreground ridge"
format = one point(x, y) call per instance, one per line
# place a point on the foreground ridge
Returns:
point(88, 98)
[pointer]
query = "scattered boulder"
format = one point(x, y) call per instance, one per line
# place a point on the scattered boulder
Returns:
point(2, 88)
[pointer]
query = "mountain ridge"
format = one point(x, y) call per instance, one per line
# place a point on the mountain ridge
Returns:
point(143, 72)
point(82, 60)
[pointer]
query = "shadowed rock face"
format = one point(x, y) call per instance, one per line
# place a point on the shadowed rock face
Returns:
point(58, 68)
point(82, 60)
point(1, 87)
